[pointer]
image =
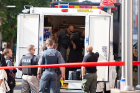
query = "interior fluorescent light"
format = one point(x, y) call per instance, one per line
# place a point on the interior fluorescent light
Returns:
point(11, 6)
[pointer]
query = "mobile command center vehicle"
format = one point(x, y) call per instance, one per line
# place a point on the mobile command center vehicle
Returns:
point(41, 22)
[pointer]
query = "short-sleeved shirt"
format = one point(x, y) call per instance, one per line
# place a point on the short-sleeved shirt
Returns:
point(59, 56)
point(63, 37)
point(9, 62)
point(91, 57)
point(61, 32)
point(78, 39)
point(3, 75)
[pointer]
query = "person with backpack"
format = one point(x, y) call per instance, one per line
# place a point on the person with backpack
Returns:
point(3, 76)
point(8, 54)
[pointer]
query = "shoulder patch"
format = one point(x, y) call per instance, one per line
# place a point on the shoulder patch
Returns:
point(50, 54)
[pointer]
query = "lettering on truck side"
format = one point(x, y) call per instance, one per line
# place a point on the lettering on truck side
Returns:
point(84, 10)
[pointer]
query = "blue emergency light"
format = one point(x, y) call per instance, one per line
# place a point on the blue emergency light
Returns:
point(64, 6)
point(105, 8)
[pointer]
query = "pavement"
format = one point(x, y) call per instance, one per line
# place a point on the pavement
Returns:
point(17, 89)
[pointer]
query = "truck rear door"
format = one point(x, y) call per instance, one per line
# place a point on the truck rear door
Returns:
point(99, 38)
point(27, 34)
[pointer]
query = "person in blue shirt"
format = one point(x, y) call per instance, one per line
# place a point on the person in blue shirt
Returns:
point(49, 76)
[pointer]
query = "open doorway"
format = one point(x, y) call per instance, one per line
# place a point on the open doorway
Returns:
point(53, 24)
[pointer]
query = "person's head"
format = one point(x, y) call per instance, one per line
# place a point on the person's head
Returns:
point(31, 49)
point(5, 45)
point(70, 29)
point(49, 42)
point(83, 33)
point(7, 52)
point(89, 49)
point(44, 47)
point(54, 46)
point(3, 62)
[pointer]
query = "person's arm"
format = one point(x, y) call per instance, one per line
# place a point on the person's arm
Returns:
point(1, 76)
point(1, 80)
point(97, 54)
point(20, 64)
point(9, 63)
point(39, 73)
point(94, 51)
point(83, 71)
point(62, 69)
point(74, 37)
point(74, 46)
point(41, 61)
point(83, 68)
point(55, 37)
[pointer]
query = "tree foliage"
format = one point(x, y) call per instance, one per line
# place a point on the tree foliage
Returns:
point(9, 16)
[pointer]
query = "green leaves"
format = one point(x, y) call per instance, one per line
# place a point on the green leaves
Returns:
point(9, 15)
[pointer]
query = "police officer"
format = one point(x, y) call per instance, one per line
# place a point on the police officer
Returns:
point(29, 78)
point(49, 76)
point(77, 45)
point(63, 40)
point(76, 48)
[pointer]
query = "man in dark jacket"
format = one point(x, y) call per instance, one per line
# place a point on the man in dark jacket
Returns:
point(89, 78)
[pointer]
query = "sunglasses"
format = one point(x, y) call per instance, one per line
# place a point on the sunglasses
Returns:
point(70, 31)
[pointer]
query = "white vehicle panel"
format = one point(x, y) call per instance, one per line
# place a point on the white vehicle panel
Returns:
point(27, 34)
point(99, 40)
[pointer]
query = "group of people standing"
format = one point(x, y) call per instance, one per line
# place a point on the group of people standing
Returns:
point(47, 80)
point(34, 79)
